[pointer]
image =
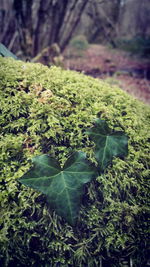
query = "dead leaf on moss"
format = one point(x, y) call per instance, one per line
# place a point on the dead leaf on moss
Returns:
point(37, 89)
point(45, 96)
point(28, 145)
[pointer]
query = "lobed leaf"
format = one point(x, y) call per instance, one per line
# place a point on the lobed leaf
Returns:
point(62, 186)
point(107, 144)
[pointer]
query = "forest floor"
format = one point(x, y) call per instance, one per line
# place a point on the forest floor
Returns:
point(130, 73)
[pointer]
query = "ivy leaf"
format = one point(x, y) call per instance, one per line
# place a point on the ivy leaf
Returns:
point(108, 144)
point(4, 52)
point(62, 186)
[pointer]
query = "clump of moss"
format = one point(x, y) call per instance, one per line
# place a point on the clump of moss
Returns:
point(47, 111)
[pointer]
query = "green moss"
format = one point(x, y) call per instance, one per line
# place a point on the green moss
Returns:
point(47, 111)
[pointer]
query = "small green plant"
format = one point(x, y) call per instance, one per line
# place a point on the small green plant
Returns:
point(77, 46)
point(79, 42)
point(64, 186)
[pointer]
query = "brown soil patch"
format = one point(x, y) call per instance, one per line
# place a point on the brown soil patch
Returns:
point(131, 74)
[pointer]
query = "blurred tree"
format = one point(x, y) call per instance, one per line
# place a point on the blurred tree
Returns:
point(99, 22)
point(34, 25)
point(134, 19)
point(106, 21)
point(29, 26)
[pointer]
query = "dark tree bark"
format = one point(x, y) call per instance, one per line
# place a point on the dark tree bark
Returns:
point(33, 25)
point(72, 17)
point(23, 19)
point(101, 16)
point(29, 26)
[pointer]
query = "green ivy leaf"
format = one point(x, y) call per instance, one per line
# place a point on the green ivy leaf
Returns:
point(4, 52)
point(108, 144)
point(62, 186)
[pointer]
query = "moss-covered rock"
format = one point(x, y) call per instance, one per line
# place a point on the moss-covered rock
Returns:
point(47, 111)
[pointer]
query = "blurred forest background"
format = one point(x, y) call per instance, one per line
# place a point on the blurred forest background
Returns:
point(62, 32)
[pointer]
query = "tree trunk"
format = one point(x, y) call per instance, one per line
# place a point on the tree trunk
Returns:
point(35, 25)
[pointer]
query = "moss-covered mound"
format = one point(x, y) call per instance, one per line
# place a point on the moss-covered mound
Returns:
point(47, 111)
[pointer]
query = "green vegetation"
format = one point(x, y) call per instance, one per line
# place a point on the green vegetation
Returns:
point(79, 42)
point(63, 186)
point(77, 46)
point(108, 144)
point(47, 111)
point(138, 45)
point(4, 52)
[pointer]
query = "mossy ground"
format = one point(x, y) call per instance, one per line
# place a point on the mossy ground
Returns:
point(47, 111)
